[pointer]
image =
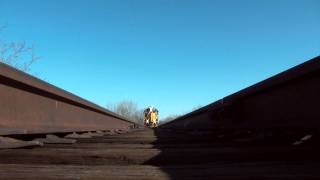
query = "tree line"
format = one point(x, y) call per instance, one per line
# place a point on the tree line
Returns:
point(131, 111)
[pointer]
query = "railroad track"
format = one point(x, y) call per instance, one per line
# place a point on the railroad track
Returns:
point(163, 154)
point(270, 130)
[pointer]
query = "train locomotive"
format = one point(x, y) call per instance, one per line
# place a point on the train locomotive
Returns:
point(151, 117)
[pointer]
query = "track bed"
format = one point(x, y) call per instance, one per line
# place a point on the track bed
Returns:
point(160, 154)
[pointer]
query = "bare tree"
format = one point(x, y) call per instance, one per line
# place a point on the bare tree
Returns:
point(129, 110)
point(169, 118)
point(197, 107)
point(175, 116)
point(17, 54)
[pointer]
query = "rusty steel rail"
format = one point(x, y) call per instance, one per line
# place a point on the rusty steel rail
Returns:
point(287, 100)
point(30, 106)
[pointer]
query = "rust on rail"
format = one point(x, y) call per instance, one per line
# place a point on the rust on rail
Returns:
point(30, 105)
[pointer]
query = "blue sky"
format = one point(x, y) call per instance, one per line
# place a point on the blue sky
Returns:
point(173, 54)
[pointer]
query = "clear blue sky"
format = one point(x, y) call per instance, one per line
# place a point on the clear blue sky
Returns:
point(173, 54)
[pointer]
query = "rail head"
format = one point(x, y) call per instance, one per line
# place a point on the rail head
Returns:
point(22, 82)
point(21, 77)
